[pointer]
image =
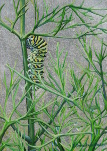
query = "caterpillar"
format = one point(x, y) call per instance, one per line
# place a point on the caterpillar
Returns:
point(38, 47)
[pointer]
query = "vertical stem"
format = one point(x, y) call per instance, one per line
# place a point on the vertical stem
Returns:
point(92, 129)
point(22, 18)
point(102, 78)
point(25, 65)
point(103, 86)
point(3, 130)
point(96, 138)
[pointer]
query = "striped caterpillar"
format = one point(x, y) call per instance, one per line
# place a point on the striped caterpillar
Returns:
point(38, 47)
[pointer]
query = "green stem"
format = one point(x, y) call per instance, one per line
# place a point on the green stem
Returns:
point(4, 129)
point(92, 129)
point(95, 140)
point(102, 79)
point(51, 120)
point(103, 86)
point(59, 144)
point(27, 138)
point(55, 114)
point(89, 27)
point(25, 65)
point(9, 28)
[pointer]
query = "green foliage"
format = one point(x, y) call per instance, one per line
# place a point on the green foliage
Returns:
point(74, 117)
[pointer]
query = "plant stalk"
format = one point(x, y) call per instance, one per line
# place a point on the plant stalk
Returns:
point(95, 140)
point(25, 65)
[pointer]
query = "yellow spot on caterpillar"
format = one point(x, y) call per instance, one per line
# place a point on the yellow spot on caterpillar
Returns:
point(35, 66)
point(35, 60)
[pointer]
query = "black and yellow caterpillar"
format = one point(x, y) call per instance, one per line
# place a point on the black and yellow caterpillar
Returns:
point(38, 47)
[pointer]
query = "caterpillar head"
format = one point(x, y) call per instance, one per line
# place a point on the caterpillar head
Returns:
point(30, 42)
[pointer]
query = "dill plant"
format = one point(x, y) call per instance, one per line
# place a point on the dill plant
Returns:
point(75, 115)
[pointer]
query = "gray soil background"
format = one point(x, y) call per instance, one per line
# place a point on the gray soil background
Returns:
point(10, 49)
